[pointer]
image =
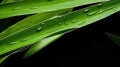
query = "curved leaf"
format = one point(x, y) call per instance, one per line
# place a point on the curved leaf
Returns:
point(10, 1)
point(4, 57)
point(76, 19)
point(41, 44)
point(114, 38)
point(34, 6)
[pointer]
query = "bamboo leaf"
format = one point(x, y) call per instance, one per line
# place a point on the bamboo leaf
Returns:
point(34, 6)
point(76, 19)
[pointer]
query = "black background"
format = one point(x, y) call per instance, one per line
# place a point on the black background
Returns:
point(88, 46)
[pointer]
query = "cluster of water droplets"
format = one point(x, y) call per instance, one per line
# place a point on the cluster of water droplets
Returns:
point(12, 43)
point(22, 40)
point(87, 10)
point(40, 27)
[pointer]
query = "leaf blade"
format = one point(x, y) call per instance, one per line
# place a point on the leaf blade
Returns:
point(20, 8)
point(114, 38)
point(56, 25)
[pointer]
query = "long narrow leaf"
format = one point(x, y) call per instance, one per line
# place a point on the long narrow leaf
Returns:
point(10, 1)
point(75, 19)
point(114, 38)
point(4, 57)
point(20, 8)
point(31, 21)
point(41, 44)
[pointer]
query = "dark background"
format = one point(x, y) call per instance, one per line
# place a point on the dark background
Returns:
point(88, 46)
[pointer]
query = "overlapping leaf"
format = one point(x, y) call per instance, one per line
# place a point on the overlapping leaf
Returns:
point(72, 20)
point(114, 38)
point(34, 6)
point(41, 44)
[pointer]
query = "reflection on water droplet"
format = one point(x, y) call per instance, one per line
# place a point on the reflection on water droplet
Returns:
point(109, 8)
point(101, 11)
point(42, 24)
point(12, 43)
point(100, 4)
point(39, 29)
point(91, 13)
point(34, 7)
point(25, 39)
point(74, 21)
point(86, 10)
point(16, 8)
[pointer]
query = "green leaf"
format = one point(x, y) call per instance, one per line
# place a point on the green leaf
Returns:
point(76, 19)
point(114, 38)
point(34, 6)
point(44, 42)
point(10, 1)
point(4, 57)
point(24, 24)
point(41, 44)
point(31, 21)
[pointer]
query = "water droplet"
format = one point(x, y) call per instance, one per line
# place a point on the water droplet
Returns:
point(39, 29)
point(34, 7)
point(12, 43)
point(101, 11)
point(109, 8)
point(91, 13)
point(86, 10)
point(16, 8)
point(74, 21)
point(100, 4)
point(25, 39)
point(42, 24)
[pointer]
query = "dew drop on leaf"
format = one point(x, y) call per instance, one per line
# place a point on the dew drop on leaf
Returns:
point(34, 7)
point(25, 39)
point(39, 29)
point(74, 21)
point(12, 43)
point(86, 10)
point(101, 11)
point(109, 8)
point(42, 24)
point(100, 4)
point(16, 8)
point(91, 13)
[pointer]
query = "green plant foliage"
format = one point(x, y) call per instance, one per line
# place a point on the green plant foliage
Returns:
point(20, 8)
point(41, 44)
point(10, 1)
point(50, 27)
point(114, 38)
point(48, 22)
